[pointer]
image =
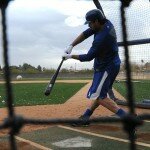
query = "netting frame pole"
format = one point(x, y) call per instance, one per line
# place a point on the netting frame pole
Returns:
point(130, 96)
point(9, 97)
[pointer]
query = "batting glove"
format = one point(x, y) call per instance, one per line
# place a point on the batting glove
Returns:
point(66, 56)
point(69, 49)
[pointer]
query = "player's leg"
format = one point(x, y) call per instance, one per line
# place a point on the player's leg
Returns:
point(86, 115)
point(112, 106)
point(112, 79)
point(90, 109)
point(112, 95)
point(112, 71)
point(102, 82)
point(92, 95)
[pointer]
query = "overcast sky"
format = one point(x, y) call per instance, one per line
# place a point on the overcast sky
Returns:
point(40, 30)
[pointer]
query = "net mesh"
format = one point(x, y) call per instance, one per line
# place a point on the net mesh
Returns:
point(137, 23)
point(140, 71)
point(16, 122)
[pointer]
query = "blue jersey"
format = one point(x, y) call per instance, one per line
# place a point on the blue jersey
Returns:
point(104, 49)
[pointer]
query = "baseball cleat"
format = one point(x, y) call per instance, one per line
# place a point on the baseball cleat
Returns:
point(135, 133)
point(84, 122)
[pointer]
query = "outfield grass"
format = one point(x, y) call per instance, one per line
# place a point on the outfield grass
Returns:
point(33, 93)
point(141, 89)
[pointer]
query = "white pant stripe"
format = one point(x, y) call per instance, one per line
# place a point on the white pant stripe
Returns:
point(98, 91)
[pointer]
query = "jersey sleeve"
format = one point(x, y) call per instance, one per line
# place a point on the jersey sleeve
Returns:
point(87, 33)
point(92, 53)
point(95, 49)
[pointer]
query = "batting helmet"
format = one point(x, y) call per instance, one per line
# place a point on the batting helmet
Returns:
point(94, 14)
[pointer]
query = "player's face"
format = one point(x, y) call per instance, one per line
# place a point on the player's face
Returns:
point(93, 25)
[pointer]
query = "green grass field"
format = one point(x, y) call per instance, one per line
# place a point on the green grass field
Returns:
point(141, 89)
point(33, 93)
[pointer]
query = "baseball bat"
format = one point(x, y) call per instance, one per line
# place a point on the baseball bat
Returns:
point(98, 6)
point(53, 79)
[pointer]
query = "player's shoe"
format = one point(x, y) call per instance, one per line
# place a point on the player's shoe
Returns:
point(135, 130)
point(84, 122)
point(115, 99)
point(135, 133)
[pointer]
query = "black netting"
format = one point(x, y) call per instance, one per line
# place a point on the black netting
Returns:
point(130, 122)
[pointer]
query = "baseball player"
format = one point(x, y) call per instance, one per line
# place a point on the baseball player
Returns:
point(104, 51)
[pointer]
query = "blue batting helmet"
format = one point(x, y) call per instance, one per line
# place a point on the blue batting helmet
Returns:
point(93, 15)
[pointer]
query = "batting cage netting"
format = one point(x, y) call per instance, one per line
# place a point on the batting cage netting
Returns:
point(134, 45)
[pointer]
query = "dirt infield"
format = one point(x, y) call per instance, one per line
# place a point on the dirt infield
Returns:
point(73, 108)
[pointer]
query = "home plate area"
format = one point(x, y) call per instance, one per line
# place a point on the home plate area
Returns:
point(74, 142)
point(66, 137)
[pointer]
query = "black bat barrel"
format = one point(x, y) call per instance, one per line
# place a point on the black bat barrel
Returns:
point(48, 89)
point(52, 81)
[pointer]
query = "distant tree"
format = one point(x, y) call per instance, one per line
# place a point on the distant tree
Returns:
point(39, 68)
point(142, 61)
point(16, 71)
point(20, 67)
point(27, 66)
point(13, 67)
point(64, 70)
point(31, 70)
point(135, 67)
point(45, 70)
point(0, 68)
point(86, 70)
point(147, 66)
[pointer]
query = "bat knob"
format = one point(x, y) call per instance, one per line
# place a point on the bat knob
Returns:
point(48, 90)
point(47, 93)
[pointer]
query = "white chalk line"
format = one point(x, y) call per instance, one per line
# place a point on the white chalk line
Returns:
point(147, 121)
point(32, 143)
point(104, 136)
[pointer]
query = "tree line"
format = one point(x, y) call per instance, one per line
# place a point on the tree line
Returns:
point(28, 68)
